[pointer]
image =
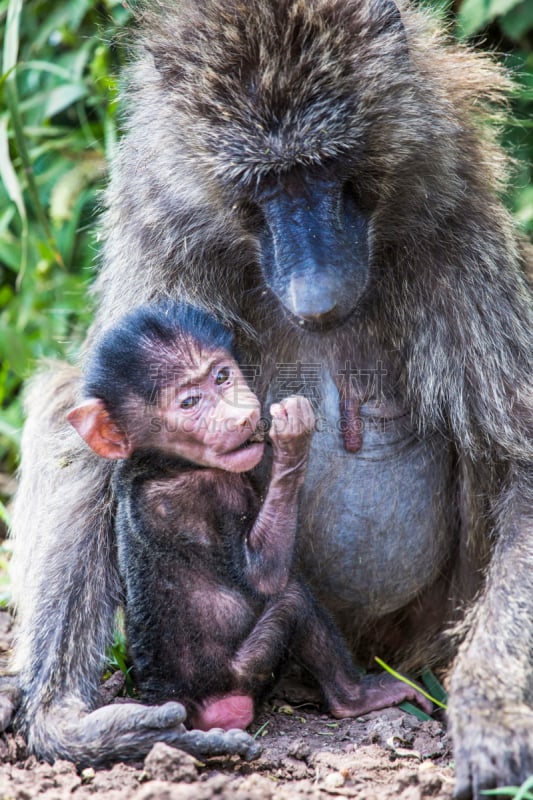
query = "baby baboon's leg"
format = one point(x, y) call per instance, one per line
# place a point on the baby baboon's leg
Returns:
point(255, 663)
point(319, 646)
point(297, 621)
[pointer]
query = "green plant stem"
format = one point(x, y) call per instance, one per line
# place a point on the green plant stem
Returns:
point(408, 682)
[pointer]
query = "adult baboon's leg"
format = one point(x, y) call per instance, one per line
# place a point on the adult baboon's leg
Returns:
point(67, 590)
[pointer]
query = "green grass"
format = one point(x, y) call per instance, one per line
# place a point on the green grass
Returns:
point(117, 655)
point(433, 690)
point(524, 792)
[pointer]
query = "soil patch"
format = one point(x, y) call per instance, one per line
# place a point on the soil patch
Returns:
point(386, 755)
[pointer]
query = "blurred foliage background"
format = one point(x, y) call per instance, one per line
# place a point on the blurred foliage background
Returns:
point(58, 130)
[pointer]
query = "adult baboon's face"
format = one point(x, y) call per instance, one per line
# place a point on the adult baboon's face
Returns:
point(314, 245)
point(292, 114)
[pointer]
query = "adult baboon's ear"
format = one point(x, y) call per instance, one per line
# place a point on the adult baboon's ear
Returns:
point(94, 424)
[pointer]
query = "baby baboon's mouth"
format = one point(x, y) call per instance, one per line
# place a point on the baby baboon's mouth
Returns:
point(259, 436)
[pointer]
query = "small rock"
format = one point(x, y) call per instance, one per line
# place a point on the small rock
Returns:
point(296, 768)
point(334, 781)
point(155, 790)
point(169, 764)
point(256, 786)
point(287, 710)
point(87, 775)
point(62, 767)
point(299, 749)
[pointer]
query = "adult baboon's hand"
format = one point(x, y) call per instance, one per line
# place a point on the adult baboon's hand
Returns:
point(492, 746)
point(128, 731)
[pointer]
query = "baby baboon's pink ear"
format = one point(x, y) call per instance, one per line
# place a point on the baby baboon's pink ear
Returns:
point(94, 424)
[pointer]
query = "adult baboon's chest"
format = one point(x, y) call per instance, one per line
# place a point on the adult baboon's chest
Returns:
point(374, 523)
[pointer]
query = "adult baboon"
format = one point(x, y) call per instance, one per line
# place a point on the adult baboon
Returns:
point(319, 174)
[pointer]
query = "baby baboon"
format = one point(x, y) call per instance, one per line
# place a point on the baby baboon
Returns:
point(321, 176)
point(213, 605)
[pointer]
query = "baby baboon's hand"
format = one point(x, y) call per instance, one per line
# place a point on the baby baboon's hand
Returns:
point(293, 422)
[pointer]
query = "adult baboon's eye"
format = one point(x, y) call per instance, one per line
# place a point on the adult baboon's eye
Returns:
point(222, 375)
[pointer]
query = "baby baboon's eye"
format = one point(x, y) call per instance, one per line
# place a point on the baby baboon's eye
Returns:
point(190, 402)
point(222, 375)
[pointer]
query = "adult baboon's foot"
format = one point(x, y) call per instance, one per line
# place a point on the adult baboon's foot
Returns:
point(493, 747)
point(126, 732)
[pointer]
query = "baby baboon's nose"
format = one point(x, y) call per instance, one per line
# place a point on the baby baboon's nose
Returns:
point(250, 418)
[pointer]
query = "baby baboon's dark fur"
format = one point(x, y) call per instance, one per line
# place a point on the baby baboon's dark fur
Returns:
point(319, 174)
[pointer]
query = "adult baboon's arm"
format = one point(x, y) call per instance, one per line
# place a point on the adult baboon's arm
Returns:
point(491, 694)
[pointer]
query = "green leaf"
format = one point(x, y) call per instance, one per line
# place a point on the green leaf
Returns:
point(62, 97)
point(434, 686)
point(67, 15)
point(14, 191)
point(474, 15)
point(409, 682)
point(11, 94)
point(8, 173)
point(518, 21)
point(10, 253)
point(11, 39)
point(516, 792)
point(4, 514)
point(9, 431)
point(45, 66)
point(410, 708)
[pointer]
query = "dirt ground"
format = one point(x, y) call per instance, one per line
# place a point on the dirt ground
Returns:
point(385, 755)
